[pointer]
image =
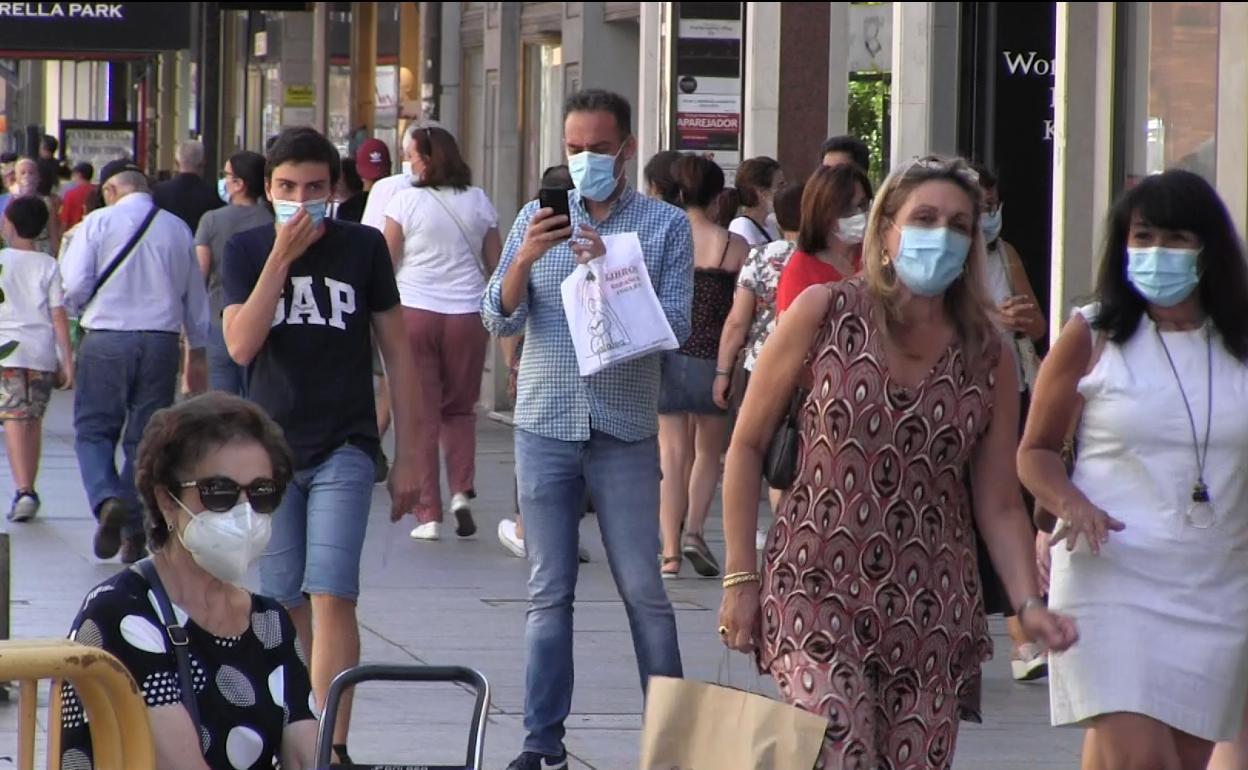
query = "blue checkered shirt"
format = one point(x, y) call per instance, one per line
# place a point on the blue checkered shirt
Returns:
point(553, 400)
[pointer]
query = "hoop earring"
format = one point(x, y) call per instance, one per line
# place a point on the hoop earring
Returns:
point(886, 260)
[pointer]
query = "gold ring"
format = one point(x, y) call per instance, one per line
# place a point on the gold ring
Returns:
point(723, 630)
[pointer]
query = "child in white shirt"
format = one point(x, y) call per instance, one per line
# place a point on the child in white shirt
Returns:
point(34, 345)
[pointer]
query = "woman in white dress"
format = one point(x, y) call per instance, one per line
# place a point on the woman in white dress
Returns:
point(1153, 562)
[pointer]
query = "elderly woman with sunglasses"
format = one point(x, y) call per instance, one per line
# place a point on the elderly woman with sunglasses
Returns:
point(210, 471)
point(868, 609)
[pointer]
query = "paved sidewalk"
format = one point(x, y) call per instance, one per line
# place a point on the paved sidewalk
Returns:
point(463, 602)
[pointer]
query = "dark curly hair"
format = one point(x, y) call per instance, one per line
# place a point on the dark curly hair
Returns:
point(178, 437)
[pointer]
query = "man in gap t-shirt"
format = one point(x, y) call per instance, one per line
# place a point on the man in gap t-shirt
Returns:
point(301, 298)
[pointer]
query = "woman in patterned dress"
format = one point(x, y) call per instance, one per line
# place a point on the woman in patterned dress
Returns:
point(869, 608)
point(210, 471)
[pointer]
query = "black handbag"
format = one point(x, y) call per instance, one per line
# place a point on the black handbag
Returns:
point(780, 469)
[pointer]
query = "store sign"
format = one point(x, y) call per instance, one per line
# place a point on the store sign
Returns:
point(98, 142)
point(708, 81)
point(870, 37)
point(1022, 109)
point(95, 26)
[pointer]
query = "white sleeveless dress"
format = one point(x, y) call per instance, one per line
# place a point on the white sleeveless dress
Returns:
point(1163, 610)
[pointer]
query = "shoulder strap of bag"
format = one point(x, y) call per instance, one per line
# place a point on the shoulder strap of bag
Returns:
point(476, 249)
point(761, 230)
point(121, 256)
point(177, 635)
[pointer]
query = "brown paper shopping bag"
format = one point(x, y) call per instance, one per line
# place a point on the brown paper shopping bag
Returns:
point(700, 726)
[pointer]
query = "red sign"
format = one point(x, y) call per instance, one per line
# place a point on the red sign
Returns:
point(705, 121)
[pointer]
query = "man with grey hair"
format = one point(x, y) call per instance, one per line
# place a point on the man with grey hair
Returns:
point(188, 195)
point(134, 280)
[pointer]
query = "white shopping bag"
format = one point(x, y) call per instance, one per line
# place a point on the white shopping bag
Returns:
point(612, 310)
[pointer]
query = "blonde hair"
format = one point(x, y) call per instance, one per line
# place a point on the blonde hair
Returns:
point(966, 300)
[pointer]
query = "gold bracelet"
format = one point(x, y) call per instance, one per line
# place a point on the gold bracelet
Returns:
point(740, 578)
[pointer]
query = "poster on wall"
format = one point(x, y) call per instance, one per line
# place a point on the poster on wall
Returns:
point(707, 81)
point(98, 141)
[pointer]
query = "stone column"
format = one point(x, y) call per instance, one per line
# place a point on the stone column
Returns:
point(1082, 150)
point(761, 107)
point(649, 111)
point(1232, 163)
point(501, 173)
point(838, 69)
point(925, 76)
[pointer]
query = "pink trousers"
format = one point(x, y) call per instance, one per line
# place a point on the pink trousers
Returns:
point(449, 355)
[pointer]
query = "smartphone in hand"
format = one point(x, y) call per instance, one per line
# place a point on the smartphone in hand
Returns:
point(555, 198)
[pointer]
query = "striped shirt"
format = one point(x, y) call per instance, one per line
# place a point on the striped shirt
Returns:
point(552, 399)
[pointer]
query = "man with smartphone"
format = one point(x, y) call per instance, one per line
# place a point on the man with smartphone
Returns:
point(598, 433)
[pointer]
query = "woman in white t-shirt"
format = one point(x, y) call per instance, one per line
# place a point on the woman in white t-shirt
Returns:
point(752, 203)
point(443, 238)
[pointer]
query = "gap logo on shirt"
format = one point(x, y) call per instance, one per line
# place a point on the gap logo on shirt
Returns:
point(302, 308)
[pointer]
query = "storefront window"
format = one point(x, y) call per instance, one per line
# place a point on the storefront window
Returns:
point(1172, 88)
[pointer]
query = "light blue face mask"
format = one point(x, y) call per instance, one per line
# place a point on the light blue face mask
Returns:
point(223, 193)
point(930, 259)
point(593, 173)
point(990, 223)
point(284, 210)
point(1163, 276)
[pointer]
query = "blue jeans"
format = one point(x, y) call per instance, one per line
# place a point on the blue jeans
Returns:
point(223, 373)
point(122, 379)
point(622, 479)
point(318, 530)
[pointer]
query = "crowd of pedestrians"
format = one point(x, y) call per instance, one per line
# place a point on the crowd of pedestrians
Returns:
point(867, 360)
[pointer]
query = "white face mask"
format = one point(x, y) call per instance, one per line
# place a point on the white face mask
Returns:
point(226, 544)
point(851, 230)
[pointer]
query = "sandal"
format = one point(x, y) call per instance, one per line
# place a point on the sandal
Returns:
point(700, 555)
point(670, 574)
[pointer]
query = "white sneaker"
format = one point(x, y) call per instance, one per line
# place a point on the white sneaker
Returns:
point(431, 530)
point(462, 509)
point(760, 539)
point(582, 554)
point(1029, 662)
point(509, 540)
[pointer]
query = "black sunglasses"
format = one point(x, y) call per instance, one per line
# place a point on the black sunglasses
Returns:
point(219, 494)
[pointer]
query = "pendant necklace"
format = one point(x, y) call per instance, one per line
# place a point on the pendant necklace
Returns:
point(1200, 514)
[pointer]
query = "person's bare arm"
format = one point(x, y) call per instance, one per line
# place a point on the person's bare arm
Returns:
point(246, 326)
point(1002, 518)
point(394, 242)
point(55, 231)
point(492, 249)
point(175, 738)
point(299, 745)
point(771, 386)
point(1055, 403)
point(203, 254)
point(731, 340)
point(65, 350)
point(1036, 326)
point(396, 355)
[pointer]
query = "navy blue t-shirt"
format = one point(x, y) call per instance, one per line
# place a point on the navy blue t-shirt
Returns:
point(314, 375)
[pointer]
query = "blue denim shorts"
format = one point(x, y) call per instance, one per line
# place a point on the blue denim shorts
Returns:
point(318, 530)
point(686, 385)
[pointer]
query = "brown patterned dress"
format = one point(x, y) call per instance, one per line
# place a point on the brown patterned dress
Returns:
point(871, 607)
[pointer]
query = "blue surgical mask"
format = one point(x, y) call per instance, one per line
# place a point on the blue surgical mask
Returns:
point(223, 193)
point(284, 210)
point(593, 173)
point(1163, 276)
point(930, 259)
point(990, 223)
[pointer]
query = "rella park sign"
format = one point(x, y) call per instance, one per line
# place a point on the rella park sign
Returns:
point(61, 10)
point(49, 28)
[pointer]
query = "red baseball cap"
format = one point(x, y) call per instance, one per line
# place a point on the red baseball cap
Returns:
point(372, 160)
